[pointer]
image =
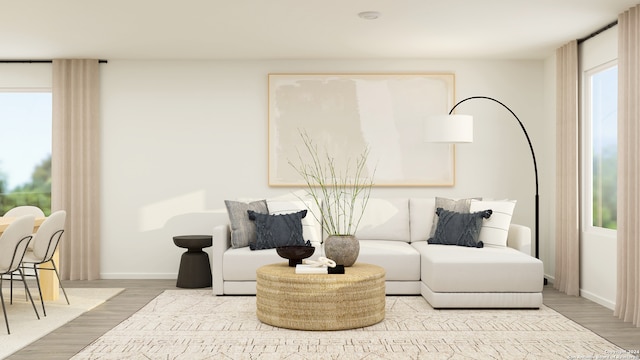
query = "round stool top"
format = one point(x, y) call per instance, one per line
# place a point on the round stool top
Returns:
point(193, 241)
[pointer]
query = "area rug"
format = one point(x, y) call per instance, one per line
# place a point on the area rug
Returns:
point(194, 324)
point(25, 326)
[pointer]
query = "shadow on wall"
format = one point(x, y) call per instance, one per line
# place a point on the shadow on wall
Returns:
point(195, 223)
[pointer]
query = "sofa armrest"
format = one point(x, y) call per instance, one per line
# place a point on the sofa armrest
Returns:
point(519, 238)
point(221, 242)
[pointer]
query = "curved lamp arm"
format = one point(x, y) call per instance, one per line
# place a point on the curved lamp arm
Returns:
point(533, 155)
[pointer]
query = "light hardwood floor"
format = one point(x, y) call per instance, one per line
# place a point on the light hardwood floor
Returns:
point(69, 339)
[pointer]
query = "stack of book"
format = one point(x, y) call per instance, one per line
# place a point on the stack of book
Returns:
point(313, 269)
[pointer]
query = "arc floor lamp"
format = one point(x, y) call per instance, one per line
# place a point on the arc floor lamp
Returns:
point(459, 129)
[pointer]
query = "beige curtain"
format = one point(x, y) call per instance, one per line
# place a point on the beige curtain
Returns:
point(75, 165)
point(567, 276)
point(628, 264)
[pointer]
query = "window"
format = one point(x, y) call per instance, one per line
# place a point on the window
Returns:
point(603, 119)
point(25, 149)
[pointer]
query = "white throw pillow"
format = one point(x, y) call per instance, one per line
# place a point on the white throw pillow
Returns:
point(495, 229)
point(311, 229)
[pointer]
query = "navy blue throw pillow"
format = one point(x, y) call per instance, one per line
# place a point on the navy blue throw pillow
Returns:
point(277, 230)
point(460, 229)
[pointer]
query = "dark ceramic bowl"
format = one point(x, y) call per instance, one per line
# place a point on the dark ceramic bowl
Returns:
point(295, 254)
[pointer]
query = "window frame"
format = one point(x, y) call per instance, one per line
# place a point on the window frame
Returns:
point(587, 151)
point(33, 90)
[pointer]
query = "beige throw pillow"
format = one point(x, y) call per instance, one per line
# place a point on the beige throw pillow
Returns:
point(243, 230)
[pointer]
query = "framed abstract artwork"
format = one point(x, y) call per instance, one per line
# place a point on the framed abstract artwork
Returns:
point(345, 114)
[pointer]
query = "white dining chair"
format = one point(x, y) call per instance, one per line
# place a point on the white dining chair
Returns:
point(13, 245)
point(25, 210)
point(44, 244)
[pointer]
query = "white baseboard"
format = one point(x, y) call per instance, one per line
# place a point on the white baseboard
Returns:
point(609, 304)
point(155, 276)
point(598, 299)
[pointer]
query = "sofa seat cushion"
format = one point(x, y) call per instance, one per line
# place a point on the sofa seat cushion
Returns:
point(447, 268)
point(400, 260)
point(241, 264)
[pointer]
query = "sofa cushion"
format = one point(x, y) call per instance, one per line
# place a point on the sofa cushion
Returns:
point(460, 229)
point(311, 228)
point(384, 219)
point(495, 229)
point(399, 259)
point(273, 231)
point(243, 230)
point(459, 205)
point(489, 269)
point(241, 264)
point(421, 214)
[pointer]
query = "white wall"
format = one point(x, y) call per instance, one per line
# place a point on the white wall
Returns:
point(179, 137)
point(19, 76)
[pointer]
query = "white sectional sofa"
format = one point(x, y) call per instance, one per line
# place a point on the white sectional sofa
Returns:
point(393, 234)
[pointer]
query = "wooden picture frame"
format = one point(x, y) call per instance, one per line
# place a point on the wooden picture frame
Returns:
point(346, 113)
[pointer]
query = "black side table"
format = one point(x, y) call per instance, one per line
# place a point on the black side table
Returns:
point(195, 268)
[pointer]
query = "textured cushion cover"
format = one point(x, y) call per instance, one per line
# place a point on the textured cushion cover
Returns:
point(495, 230)
point(460, 205)
point(311, 228)
point(243, 230)
point(455, 228)
point(277, 230)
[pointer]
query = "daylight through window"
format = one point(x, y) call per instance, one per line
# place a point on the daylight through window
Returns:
point(604, 142)
point(25, 150)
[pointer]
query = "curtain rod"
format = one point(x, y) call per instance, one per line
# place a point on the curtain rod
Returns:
point(37, 61)
point(595, 33)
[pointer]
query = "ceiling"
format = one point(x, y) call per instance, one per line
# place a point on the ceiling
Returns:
point(297, 29)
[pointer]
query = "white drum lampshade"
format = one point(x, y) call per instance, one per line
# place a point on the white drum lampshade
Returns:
point(449, 129)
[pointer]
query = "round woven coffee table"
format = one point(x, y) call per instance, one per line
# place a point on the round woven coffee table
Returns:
point(320, 301)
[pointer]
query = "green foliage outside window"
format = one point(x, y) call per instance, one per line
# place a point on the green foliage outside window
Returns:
point(605, 189)
point(604, 143)
point(37, 192)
